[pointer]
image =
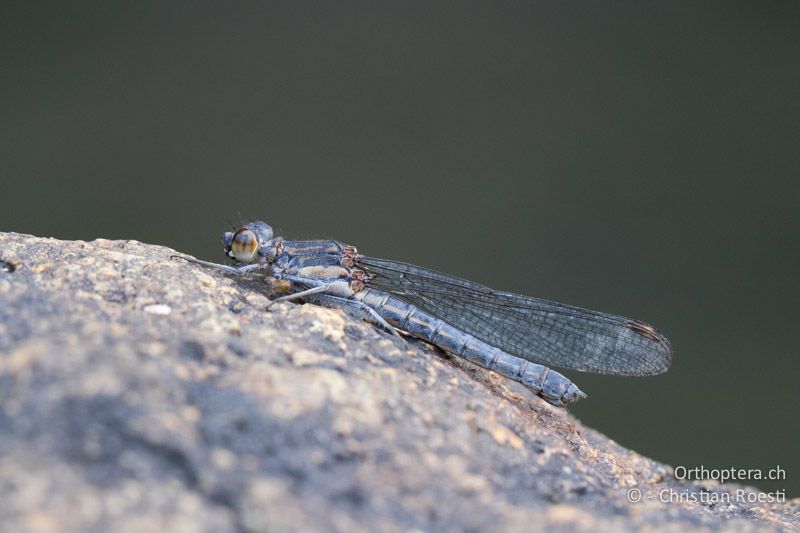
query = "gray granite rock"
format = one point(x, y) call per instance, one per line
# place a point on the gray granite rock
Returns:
point(139, 393)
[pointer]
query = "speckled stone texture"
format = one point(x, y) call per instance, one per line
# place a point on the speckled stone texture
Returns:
point(140, 393)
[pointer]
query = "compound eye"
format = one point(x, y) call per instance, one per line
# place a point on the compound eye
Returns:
point(227, 239)
point(243, 246)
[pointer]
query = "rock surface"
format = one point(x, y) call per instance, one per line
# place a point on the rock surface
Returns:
point(140, 393)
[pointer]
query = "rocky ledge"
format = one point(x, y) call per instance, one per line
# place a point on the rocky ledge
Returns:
point(141, 393)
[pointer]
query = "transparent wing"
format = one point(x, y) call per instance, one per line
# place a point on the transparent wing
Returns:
point(538, 330)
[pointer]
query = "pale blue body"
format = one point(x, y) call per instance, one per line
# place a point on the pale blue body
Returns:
point(318, 264)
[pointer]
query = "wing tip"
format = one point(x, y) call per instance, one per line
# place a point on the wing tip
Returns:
point(662, 363)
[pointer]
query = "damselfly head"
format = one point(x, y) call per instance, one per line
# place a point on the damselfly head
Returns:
point(243, 244)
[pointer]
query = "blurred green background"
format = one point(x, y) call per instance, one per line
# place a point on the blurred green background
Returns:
point(639, 158)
